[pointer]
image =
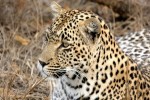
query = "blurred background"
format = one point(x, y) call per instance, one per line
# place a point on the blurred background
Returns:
point(21, 38)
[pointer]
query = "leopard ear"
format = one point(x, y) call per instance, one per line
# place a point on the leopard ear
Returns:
point(56, 9)
point(90, 29)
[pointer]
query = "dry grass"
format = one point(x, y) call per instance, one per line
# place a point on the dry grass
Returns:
point(137, 19)
point(21, 23)
point(20, 45)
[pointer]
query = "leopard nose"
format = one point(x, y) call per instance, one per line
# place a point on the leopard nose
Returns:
point(42, 63)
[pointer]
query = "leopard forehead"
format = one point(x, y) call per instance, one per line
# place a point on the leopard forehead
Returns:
point(70, 20)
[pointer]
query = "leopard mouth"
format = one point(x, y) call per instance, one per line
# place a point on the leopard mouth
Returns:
point(53, 75)
point(56, 72)
point(53, 72)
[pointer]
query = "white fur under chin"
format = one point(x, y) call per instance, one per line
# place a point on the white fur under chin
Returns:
point(56, 87)
point(39, 66)
point(40, 69)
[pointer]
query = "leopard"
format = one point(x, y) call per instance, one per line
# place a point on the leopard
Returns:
point(83, 60)
point(137, 46)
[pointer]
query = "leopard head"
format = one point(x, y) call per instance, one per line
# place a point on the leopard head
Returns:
point(71, 42)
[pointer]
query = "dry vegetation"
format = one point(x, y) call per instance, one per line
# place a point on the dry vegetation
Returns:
point(21, 25)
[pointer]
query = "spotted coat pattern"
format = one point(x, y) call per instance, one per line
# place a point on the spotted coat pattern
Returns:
point(84, 61)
